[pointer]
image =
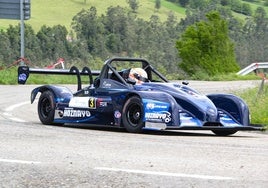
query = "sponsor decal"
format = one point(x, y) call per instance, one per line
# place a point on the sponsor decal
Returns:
point(83, 102)
point(150, 105)
point(158, 116)
point(106, 85)
point(23, 73)
point(70, 112)
point(65, 90)
point(60, 113)
point(22, 77)
point(153, 105)
point(103, 104)
point(117, 114)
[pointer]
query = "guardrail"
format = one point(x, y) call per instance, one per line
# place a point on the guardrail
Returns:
point(252, 67)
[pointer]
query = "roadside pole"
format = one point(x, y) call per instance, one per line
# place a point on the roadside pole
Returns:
point(21, 34)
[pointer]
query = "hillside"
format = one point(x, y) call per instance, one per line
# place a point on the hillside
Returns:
point(54, 12)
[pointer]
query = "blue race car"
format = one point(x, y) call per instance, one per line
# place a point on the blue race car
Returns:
point(131, 94)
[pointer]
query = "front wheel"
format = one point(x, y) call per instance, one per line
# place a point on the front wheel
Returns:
point(224, 133)
point(46, 108)
point(133, 115)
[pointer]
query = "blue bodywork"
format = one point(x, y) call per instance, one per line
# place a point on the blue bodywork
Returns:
point(166, 105)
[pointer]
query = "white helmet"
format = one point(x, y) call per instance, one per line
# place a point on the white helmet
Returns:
point(139, 75)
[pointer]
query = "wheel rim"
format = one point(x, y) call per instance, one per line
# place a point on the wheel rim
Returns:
point(134, 114)
point(45, 107)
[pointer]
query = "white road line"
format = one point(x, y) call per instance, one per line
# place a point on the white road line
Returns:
point(17, 120)
point(166, 174)
point(10, 116)
point(12, 108)
point(19, 161)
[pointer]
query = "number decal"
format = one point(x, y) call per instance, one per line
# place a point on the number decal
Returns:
point(92, 102)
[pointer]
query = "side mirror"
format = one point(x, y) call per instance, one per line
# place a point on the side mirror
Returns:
point(96, 83)
point(185, 82)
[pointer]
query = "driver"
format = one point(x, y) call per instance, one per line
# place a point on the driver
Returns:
point(139, 75)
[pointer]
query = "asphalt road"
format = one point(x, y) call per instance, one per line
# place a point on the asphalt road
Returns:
point(34, 155)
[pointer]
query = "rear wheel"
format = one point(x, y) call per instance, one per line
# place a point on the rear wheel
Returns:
point(224, 133)
point(46, 108)
point(133, 115)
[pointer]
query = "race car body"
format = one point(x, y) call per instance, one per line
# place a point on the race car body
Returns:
point(157, 104)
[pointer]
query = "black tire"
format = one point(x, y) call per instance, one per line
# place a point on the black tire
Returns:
point(46, 108)
point(133, 115)
point(224, 133)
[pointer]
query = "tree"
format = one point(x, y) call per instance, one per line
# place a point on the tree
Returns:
point(206, 47)
point(133, 4)
point(157, 4)
point(183, 3)
point(90, 30)
point(53, 42)
point(255, 35)
point(5, 49)
point(260, 19)
point(225, 2)
point(116, 23)
point(246, 9)
point(200, 4)
point(13, 33)
point(32, 44)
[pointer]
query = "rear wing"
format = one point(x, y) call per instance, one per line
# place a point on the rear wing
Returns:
point(24, 72)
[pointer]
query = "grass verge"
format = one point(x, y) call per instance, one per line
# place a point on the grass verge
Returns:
point(257, 100)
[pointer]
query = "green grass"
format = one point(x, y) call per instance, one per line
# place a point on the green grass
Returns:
point(171, 6)
point(224, 77)
point(255, 5)
point(54, 12)
point(257, 100)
